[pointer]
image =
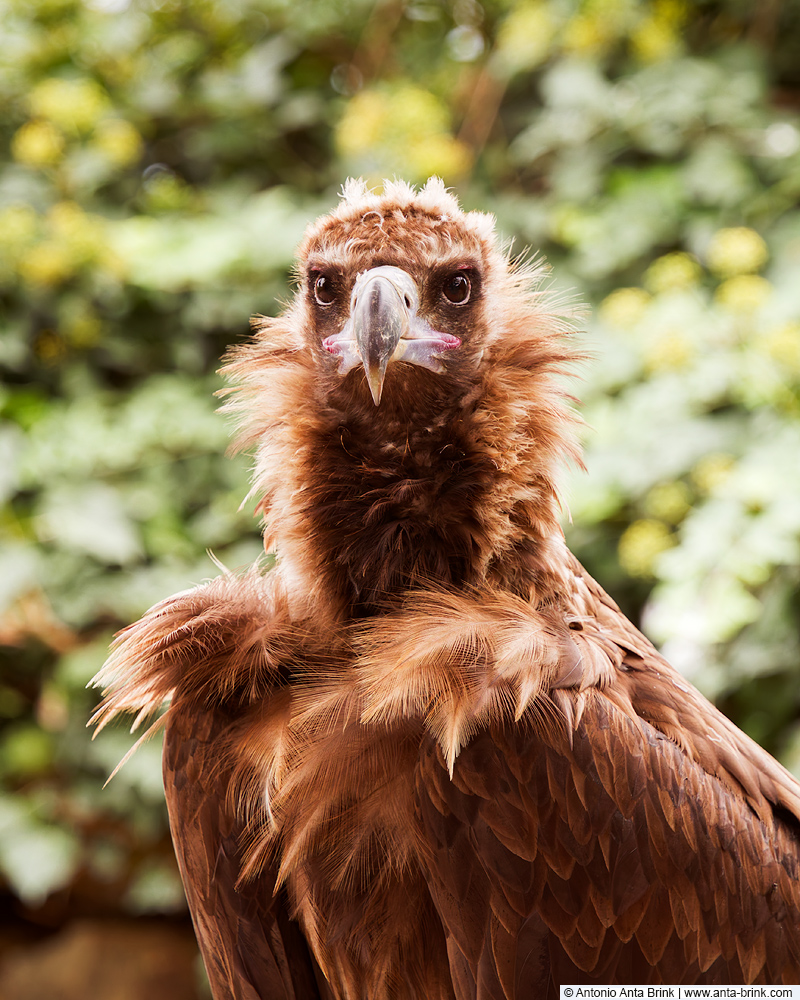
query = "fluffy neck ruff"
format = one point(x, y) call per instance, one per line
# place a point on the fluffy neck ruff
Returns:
point(451, 481)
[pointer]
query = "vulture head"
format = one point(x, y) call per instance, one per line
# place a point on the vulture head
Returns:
point(392, 286)
point(414, 372)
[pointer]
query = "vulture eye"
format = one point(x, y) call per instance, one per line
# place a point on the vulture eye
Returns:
point(324, 290)
point(456, 289)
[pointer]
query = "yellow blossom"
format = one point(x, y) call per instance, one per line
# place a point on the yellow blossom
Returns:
point(587, 33)
point(711, 471)
point(525, 38)
point(669, 351)
point(736, 251)
point(360, 127)
point(18, 227)
point(405, 127)
point(743, 294)
point(415, 112)
point(672, 271)
point(440, 156)
point(73, 105)
point(668, 502)
point(641, 544)
point(625, 307)
point(119, 141)
point(389, 117)
point(82, 234)
point(37, 144)
point(654, 39)
point(47, 263)
point(783, 344)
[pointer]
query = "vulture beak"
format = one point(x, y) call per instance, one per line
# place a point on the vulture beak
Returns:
point(385, 326)
point(379, 309)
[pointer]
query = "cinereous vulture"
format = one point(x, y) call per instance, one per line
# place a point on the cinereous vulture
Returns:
point(426, 756)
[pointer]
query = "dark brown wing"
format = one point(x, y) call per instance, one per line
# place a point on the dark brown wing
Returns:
point(606, 851)
point(221, 644)
point(251, 948)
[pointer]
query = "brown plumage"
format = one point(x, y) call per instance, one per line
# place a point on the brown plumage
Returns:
point(426, 756)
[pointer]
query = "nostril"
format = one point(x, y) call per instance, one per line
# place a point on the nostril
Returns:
point(407, 301)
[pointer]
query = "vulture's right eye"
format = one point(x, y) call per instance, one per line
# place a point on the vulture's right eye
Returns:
point(324, 290)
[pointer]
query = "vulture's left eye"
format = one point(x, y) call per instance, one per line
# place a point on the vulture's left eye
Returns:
point(457, 288)
point(324, 290)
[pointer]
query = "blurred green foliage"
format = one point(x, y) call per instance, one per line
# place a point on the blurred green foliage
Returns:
point(158, 163)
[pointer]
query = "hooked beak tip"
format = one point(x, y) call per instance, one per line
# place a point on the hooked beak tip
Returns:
point(375, 379)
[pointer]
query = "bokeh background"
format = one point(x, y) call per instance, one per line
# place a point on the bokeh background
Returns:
point(158, 162)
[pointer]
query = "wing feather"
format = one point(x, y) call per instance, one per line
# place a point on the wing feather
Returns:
point(646, 838)
point(213, 651)
point(250, 946)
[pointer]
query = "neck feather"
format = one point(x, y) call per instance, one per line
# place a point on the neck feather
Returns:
point(449, 486)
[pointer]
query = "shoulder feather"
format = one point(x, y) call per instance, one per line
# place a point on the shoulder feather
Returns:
point(227, 639)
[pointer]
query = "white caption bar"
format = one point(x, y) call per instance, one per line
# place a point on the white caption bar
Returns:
point(680, 992)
